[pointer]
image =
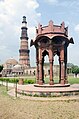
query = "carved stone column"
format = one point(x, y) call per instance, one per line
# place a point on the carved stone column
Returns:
point(37, 70)
point(40, 73)
point(37, 67)
point(62, 80)
point(65, 75)
point(51, 66)
point(59, 70)
point(43, 69)
point(51, 72)
point(40, 67)
point(65, 62)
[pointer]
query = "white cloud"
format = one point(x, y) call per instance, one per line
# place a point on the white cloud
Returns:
point(11, 13)
point(52, 1)
point(77, 28)
point(64, 3)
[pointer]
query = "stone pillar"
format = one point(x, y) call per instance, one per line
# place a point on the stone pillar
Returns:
point(43, 69)
point(62, 80)
point(65, 75)
point(37, 68)
point(59, 70)
point(40, 73)
point(40, 67)
point(51, 72)
point(51, 66)
point(65, 62)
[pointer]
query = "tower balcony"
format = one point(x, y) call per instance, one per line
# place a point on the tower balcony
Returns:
point(24, 51)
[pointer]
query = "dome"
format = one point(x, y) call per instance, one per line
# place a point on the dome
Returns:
point(17, 66)
point(11, 61)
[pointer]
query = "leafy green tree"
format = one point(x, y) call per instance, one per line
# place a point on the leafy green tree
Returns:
point(69, 68)
point(75, 70)
point(1, 68)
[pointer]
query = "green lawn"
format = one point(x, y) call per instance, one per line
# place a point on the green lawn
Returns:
point(71, 80)
point(27, 79)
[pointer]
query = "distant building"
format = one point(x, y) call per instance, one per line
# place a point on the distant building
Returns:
point(13, 68)
point(8, 66)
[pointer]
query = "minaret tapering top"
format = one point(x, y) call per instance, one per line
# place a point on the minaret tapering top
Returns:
point(24, 23)
point(24, 19)
point(24, 29)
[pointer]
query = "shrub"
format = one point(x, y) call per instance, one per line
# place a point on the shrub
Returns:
point(10, 80)
point(29, 81)
point(13, 80)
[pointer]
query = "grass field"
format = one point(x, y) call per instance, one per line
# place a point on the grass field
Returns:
point(71, 80)
point(11, 108)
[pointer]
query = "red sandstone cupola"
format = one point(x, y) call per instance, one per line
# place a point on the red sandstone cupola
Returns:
point(24, 51)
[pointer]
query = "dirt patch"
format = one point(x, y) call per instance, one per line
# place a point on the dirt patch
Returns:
point(11, 108)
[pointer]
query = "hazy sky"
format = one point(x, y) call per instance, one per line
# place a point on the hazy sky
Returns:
point(12, 11)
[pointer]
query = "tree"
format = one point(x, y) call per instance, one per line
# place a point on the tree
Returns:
point(70, 65)
point(1, 68)
point(75, 70)
point(69, 68)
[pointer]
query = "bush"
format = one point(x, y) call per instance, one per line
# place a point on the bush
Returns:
point(1, 79)
point(29, 81)
point(13, 80)
point(10, 80)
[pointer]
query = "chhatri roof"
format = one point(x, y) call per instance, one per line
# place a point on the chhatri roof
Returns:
point(51, 31)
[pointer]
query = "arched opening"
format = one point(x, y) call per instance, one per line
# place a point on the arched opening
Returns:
point(56, 69)
point(60, 43)
point(45, 56)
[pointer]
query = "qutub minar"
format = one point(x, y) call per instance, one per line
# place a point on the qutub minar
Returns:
point(24, 51)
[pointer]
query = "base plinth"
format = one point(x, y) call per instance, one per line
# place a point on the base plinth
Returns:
point(51, 86)
point(47, 90)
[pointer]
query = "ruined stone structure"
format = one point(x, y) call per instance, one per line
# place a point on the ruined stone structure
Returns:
point(51, 40)
point(24, 51)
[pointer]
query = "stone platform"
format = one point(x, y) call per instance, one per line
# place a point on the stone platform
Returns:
point(48, 91)
point(51, 86)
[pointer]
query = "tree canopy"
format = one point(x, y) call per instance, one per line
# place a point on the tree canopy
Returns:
point(1, 68)
point(75, 69)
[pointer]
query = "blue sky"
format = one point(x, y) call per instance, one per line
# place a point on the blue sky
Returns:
point(11, 12)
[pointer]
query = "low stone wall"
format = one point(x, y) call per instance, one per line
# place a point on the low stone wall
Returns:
point(47, 94)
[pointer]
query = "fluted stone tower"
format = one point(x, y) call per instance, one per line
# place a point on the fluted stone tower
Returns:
point(24, 51)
